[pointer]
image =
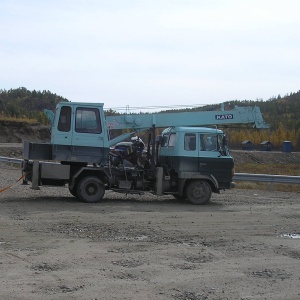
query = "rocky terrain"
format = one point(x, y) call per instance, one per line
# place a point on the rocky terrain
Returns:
point(265, 157)
point(17, 132)
point(243, 245)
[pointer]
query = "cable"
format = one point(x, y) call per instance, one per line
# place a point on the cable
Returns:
point(155, 107)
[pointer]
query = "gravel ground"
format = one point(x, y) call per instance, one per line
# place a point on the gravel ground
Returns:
point(243, 245)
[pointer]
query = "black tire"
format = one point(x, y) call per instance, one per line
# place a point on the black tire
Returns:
point(198, 192)
point(90, 189)
point(74, 192)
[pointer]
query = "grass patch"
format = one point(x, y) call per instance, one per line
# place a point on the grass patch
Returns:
point(267, 186)
point(18, 120)
point(272, 169)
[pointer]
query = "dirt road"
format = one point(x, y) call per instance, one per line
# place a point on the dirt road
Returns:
point(240, 246)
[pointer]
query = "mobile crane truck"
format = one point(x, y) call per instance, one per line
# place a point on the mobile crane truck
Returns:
point(186, 162)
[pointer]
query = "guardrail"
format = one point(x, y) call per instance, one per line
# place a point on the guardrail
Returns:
point(11, 160)
point(266, 178)
point(236, 177)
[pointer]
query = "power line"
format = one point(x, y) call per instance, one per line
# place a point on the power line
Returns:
point(155, 107)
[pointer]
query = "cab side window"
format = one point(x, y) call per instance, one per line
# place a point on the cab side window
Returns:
point(64, 122)
point(190, 142)
point(208, 142)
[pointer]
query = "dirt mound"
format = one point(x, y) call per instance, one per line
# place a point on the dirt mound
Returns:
point(265, 157)
point(17, 132)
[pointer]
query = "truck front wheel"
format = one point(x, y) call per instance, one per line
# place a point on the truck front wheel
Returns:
point(90, 189)
point(198, 192)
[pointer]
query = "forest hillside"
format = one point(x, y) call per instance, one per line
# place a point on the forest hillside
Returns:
point(281, 112)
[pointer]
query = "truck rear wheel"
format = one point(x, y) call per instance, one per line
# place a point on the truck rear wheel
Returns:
point(198, 192)
point(90, 189)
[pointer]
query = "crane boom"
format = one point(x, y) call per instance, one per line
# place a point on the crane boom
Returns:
point(238, 115)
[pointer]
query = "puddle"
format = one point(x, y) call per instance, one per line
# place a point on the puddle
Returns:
point(291, 235)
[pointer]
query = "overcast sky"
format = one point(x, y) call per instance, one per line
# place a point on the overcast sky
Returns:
point(151, 53)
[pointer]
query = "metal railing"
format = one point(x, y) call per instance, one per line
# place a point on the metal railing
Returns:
point(266, 178)
point(11, 160)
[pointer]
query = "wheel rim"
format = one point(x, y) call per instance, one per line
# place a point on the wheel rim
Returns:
point(198, 191)
point(91, 189)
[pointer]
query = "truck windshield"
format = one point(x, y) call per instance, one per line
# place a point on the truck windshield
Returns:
point(222, 141)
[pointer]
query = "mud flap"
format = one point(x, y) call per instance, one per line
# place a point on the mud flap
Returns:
point(35, 175)
point(159, 181)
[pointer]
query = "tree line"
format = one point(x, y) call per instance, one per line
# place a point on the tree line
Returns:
point(27, 105)
point(256, 137)
point(282, 113)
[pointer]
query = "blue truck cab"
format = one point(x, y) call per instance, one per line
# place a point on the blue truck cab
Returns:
point(196, 154)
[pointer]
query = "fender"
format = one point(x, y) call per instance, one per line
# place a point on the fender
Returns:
point(100, 172)
point(186, 176)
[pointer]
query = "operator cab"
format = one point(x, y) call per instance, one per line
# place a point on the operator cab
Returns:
point(78, 133)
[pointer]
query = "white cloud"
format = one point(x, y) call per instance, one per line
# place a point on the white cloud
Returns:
point(132, 52)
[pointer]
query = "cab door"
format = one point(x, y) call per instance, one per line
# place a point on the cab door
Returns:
point(212, 162)
point(88, 138)
point(88, 128)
